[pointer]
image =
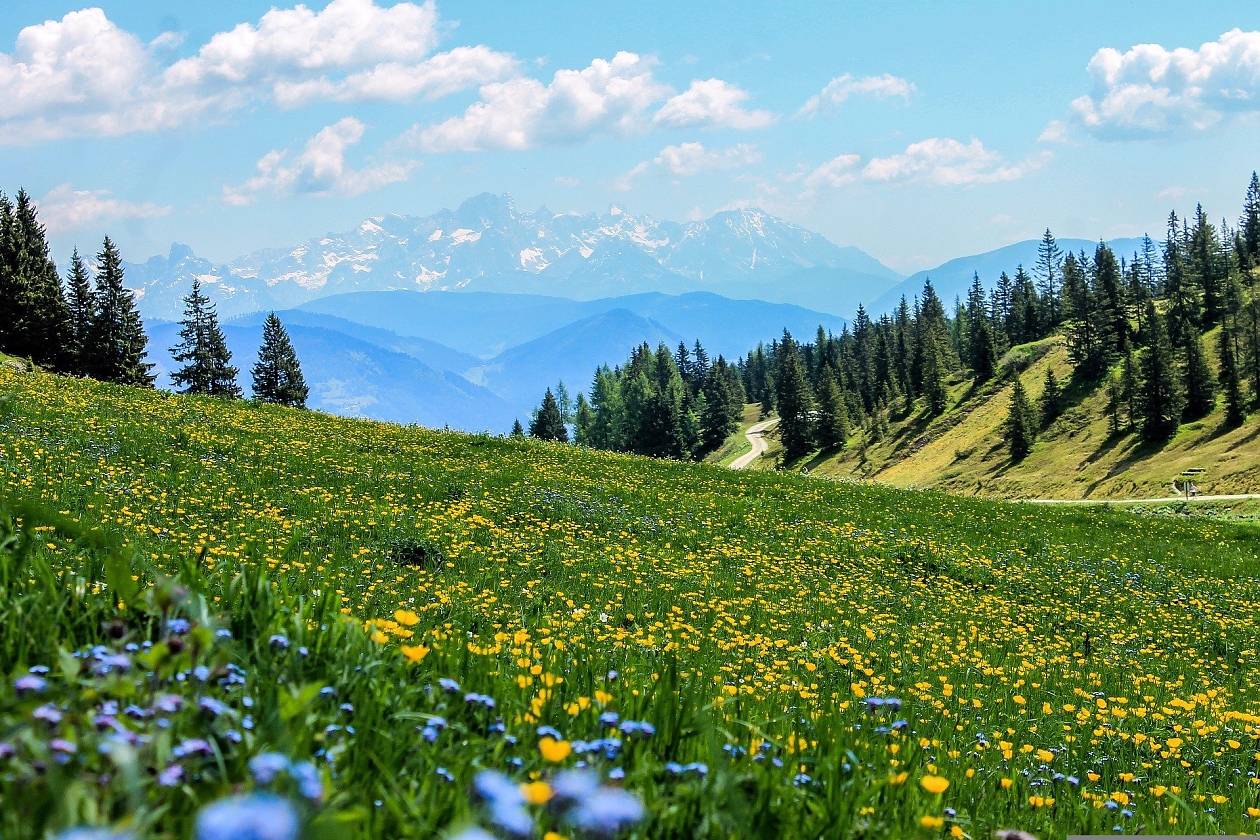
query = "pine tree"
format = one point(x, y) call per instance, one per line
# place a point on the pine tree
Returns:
point(202, 351)
point(277, 374)
point(1160, 402)
point(792, 394)
point(1021, 423)
point(1200, 385)
point(608, 429)
point(981, 353)
point(117, 339)
point(1051, 399)
point(81, 304)
point(833, 417)
point(583, 420)
point(37, 320)
point(1206, 264)
point(722, 408)
point(1129, 391)
point(1231, 386)
point(547, 424)
point(1111, 310)
point(1179, 287)
point(517, 429)
point(1250, 223)
point(1049, 274)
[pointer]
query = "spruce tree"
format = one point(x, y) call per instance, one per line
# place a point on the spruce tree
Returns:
point(1184, 306)
point(517, 429)
point(1051, 399)
point(1049, 275)
point(833, 417)
point(547, 424)
point(1231, 386)
point(1200, 385)
point(82, 310)
point(1250, 223)
point(1111, 310)
point(202, 351)
point(277, 374)
point(792, 394)
point(583, 420)
point(1021, 423)
point(1160, 402)
point(564, 402)
point(981, 352)
point(1130, 391)
point(119, 345)
point(722, 407)
point(37, 320)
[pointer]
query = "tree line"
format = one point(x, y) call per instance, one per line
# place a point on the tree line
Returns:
point(88, 325)
point(1134, 325)
point(667, 404)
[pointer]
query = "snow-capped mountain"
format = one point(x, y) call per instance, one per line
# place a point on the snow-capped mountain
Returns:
point(488, 245)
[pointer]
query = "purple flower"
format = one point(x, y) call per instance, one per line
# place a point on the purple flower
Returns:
point(61, 745)
point(211, 706)
point(193, 746)
point(48, 713)
point(279, 642)
point(444, 774)
point(610, 718)
point(178, 626)
point(6, 751)
point(606, 812)
point(171, 776)
point(29, 682)
point(266, 766)
point(449, 685)
point(309, 783)
point(257, 816)
point(168, 703)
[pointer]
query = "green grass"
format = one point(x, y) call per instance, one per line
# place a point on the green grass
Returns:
point(742, 612)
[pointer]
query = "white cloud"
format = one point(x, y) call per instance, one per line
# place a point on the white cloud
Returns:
point(841, 88)
point(605, 98)
point(688, 159)
point(1152, 91)
point(320, 169)
point(712, 103)
point(1056, 131)
point(625, 182)
point(83, 75)
point(945, 162)
point(936, 162)
point(65, 208)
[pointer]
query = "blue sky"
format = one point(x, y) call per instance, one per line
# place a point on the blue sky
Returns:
point(918, 131)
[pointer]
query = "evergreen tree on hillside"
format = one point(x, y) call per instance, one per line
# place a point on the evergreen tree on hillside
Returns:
point(1231, 386)
point(1184, 308)
point(981, 352)
point(583, 420)
point(792, 395)
point(699, 366)
point(1111, 312)
point(1206, 264)
point(833, 417)
point(277, 374)
point(1051, 399)
point(607, 430)
point(931, 341)
point(1129, 391)
point(1021, 423)
point(81, 304)
point(564, 402)
point(547, 424)
point(37, 321)
point(1084, 341)
point(117, 339)
point(202, 351)
point(517, 429)
point(1200, 385)
point(1049, 274)
point(1160, 403)
point(723, 405)
point(1250, 223)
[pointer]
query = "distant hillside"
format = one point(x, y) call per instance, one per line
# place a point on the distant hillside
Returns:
point(1076, 457)
point(487, 244)
point(952, 279)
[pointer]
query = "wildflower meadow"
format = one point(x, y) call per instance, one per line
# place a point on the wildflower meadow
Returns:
point(227, 619)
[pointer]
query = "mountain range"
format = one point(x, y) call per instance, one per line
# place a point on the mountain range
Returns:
point(487, 245)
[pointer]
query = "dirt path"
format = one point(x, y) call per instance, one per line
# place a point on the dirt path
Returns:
point(756, 437)
point(1163, 500)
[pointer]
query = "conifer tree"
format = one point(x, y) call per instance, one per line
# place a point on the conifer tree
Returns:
point(833, 417)
point(607, 430)
point(1250, 223)
point(981, 352)
point(1111, 312)
point(277, 374)
point(1021, 423)
point(1049, 274)
point(547, 424)
point(1129, 391)
point(37, 320)
point(564, 402)
point(1179, 286)
point(202, 351)
point(1200, 385)
point(81, 304)
point(792, 394)
point(1160, 403)
point(583, 420)
point(1206, 265)
point(117, 339)
point(722, 408)
point(1051, 399)
point(517, 429)
point(1231, 386)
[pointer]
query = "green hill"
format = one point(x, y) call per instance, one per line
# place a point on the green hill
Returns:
point(1075, 457)
point(275, 598)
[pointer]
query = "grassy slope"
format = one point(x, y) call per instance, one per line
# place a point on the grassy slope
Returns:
point(738, 608)
point(1075, 458)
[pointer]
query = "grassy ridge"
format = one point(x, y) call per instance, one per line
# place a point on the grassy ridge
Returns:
point(1048, 662)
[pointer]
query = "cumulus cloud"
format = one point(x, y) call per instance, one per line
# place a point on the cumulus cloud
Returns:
point(841, 88)
point(84, 75)
point(711, 103)
point(65, 208)
point(688, 159)
point(1151, 91)
point(936, 162)
point(605, 98)
point(320, 169)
